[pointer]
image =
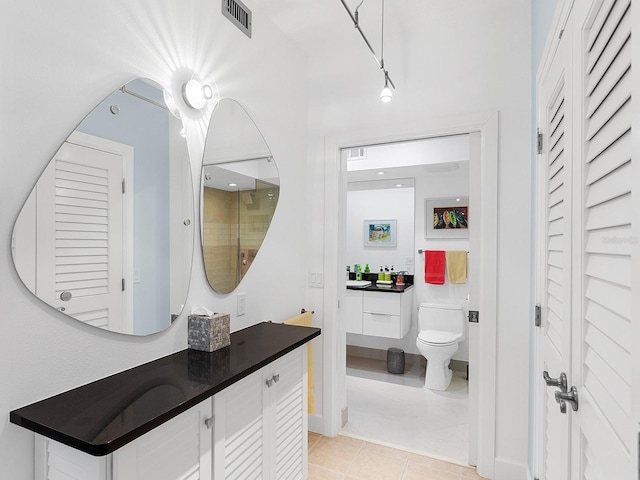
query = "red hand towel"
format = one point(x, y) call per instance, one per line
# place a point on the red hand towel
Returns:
point(434, 261)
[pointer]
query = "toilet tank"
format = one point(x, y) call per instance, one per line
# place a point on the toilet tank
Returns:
point(441, 316)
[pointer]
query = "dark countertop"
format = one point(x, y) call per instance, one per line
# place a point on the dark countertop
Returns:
point(374, 288)
point(102, 416)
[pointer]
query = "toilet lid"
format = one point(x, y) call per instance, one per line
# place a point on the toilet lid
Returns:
point(437, 337)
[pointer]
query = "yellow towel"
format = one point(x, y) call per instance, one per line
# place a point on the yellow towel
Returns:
point(304, 320)
point(457, 266)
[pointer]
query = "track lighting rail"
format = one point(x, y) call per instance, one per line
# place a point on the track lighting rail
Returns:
point(379, 62)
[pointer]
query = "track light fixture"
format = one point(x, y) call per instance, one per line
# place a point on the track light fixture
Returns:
point(386, 93)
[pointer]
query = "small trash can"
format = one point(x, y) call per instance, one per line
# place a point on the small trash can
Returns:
point(395, 360)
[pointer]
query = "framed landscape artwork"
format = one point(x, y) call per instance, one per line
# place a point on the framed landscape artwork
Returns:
point(380, 233)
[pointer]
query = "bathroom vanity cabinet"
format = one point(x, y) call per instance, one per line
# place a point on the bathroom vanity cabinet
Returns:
point(378, 312)
point(238, 413)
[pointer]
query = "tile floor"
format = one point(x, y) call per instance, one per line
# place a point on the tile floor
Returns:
point(347, 458)
point(396, 410)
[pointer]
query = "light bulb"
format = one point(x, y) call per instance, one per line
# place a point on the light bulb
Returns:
point(386, 94)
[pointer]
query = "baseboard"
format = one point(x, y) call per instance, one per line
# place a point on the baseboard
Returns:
point(508, 470)
point(410, 358)
point(344, 416)
point(316, 424)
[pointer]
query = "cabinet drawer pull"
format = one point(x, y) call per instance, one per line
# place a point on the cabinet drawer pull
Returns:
point(276, 377)
point(209, 422)
point(269, 382)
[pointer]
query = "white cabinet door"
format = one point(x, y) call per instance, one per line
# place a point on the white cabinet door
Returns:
point(353, 299)
point(386, 314)
point(180, 449)
point(288, 396)
point(239, 430)
point(261, 426)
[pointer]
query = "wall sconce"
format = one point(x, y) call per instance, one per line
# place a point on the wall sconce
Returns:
point(195, 94)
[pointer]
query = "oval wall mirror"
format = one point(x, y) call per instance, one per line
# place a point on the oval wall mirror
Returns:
point(240, 191)
point(106, 234)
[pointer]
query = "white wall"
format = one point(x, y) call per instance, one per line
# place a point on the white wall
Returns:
point(62, 58)
point(465, 57)
point(380, 204)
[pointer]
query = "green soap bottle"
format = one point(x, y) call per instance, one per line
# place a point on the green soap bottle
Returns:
point(381, 274)
point(366, 268)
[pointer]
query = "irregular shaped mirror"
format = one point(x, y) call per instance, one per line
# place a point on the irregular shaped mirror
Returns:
point(105, 235)
point(240, 191)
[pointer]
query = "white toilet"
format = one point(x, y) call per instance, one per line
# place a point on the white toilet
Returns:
point(441, 328)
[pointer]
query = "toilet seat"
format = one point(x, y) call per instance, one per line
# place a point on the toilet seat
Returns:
point(437, 337)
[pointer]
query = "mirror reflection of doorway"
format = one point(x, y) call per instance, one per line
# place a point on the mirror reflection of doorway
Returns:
point(393, 181)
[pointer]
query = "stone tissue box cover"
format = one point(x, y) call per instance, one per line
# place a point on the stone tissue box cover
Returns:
point(209, 333)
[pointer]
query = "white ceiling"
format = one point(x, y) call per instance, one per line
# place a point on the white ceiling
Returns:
point(336, 53)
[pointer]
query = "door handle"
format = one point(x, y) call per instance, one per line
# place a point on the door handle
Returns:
point(560, 382)
point(571, 396)
point(66, 296)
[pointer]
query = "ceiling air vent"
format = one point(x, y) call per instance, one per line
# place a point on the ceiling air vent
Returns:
point(239, 14)
point(359, 153)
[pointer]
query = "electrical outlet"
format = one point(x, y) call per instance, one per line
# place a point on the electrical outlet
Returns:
point(242, 304)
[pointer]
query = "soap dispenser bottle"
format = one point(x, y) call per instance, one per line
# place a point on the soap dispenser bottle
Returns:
point(381, 274)
point(387, 273)
point(366, 268)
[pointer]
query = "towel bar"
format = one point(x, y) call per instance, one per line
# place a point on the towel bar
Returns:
point(422, 251)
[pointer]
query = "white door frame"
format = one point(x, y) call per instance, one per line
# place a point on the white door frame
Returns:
point(483, 353)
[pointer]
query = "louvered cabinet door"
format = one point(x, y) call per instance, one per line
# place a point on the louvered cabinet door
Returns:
point(177, 450)
point(605, 434)
point(290, 409)
point(239, 438)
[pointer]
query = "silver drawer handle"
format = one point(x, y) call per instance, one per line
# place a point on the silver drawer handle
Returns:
point(209, 422)
point(276, 377)
point(66, 296)
point(269, 382)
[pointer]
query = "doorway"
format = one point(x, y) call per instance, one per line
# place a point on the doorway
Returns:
point(483, 172)
point(394, 181)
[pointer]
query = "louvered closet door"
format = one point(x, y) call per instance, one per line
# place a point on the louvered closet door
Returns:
point(604, 433)
point(80, 235)
point(554, 270)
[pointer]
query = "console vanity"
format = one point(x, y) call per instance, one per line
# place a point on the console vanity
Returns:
point(379, 311)
point(237, 413)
